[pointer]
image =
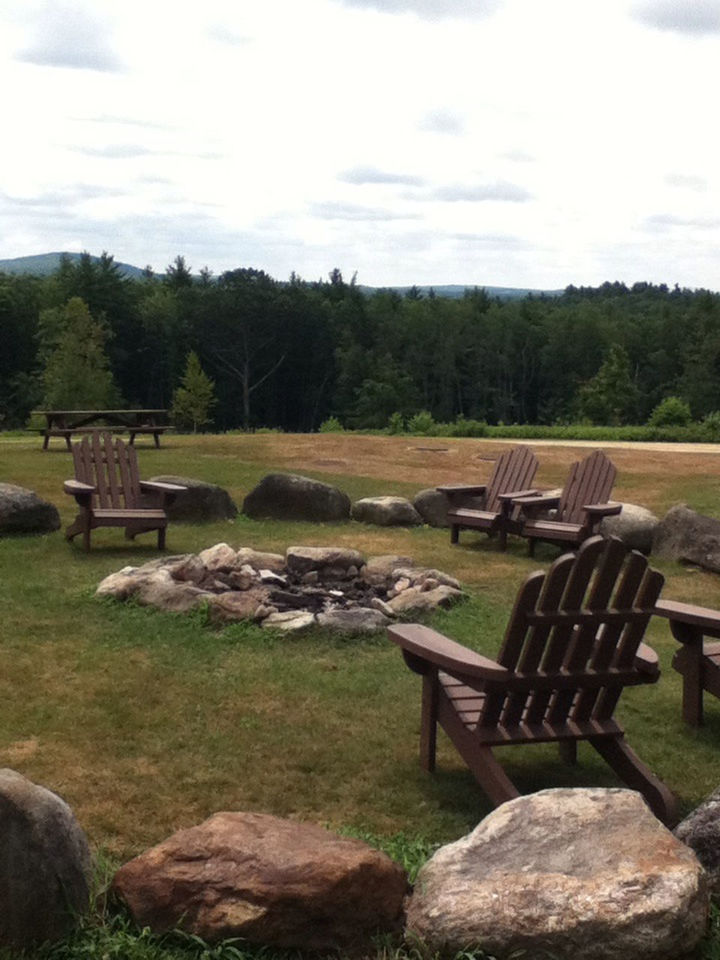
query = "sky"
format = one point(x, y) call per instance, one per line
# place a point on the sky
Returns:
point(519, 143)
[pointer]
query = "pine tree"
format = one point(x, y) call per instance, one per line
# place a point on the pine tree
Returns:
point(193, 400)
point(77, 371)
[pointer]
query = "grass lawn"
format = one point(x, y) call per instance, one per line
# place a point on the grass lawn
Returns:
point(148, 722)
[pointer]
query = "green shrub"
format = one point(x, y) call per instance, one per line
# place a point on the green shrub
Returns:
point(422, 423)
point(331, 425)
point(711, 426)
point(396, 423)
point(467, 428)
point(670, 412)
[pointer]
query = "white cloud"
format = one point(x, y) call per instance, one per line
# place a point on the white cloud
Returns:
point(481, 192)
point(695, 17)
point(432, 9)
point(70, 35)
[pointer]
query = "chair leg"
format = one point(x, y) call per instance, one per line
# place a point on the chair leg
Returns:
point(161, 538)
point(531, 546)
point(489, 773)
point(630, 768)
point(454, 533)
point(428, 721)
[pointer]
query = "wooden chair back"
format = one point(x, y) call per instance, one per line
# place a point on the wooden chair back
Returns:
point(590, 481)
point(111, 467)
point(514, 470)
point(572, 639)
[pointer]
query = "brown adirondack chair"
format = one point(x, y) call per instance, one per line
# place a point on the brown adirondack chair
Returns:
point(578, 510)
point(572, 644)
point(489, 507)
point(109, 492)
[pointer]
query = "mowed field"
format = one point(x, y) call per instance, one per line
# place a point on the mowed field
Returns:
point(147, 722)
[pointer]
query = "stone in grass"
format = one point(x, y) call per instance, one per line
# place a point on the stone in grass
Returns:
point(287, 496)
point(386, 512)
point(45, 864)
point(585, 873)
point(23, 511)
point(199, 501)
point(432, 505)
point(266, 880)
point(700, 830)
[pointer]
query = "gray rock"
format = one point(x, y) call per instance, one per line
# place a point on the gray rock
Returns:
point(700, 830)
point(302, 560)
point(289, 620)
point(161, 591)
point(689, 537)
point(287, 496)
point(415, 598)
point(199, 502)
point(587, 873)
point(259, 560)
point(432, 505)
point(23, 511)
point(384, 564)
point(353, 620)
point(44, 864)
point(221, 556)
point(634, 525)
point(386, 512)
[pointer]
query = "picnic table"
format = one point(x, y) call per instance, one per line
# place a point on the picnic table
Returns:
point(69, 423)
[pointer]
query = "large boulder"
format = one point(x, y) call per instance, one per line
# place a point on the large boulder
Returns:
point(266, 880)
point(386, 512)
point(199, 502)
point(688, 537)
point(432, 505)
point(700, 830)
point(567, 873)
point(287, 496)
point(45, 864)
point(634, 525)
point(23, 511)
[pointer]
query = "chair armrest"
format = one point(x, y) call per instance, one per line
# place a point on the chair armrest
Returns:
point(434, 648)
point(517, 493)
point(646, 659)
point(76, 488)
point(460, 491)
point(157, 486)
point(531, 506)
point(602, 509)
point(705, 619)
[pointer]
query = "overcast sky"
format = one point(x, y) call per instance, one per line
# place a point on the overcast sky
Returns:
point(526, 143)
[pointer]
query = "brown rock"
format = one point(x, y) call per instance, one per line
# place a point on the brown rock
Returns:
point(259, 560)
point(236, 605)
point(267, 880)
point(586, 873)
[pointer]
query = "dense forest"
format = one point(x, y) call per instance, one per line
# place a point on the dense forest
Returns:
point(293, 354)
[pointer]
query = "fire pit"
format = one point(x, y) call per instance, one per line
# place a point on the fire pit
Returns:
point(331, 587)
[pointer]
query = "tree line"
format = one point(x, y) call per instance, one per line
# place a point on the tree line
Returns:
point(293, 354)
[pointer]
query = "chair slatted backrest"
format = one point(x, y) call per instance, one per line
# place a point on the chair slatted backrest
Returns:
point(590, 481)
point(111, 467)
point(514, 470)
point(578, 625)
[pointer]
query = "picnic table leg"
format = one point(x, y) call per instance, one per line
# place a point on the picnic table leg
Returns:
point(46, 440)
point(68, 444)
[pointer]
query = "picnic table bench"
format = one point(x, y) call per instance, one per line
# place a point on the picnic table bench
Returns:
point(69, 423)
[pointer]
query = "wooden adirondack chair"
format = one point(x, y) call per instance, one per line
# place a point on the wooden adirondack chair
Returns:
point(578, 510)
point(109, 492)
point(489, 507)
point(572, 643)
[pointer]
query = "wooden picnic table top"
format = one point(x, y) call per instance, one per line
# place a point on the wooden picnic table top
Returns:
point(99, 413)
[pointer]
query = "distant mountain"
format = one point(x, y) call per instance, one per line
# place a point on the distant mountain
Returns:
point(44, 264)
point(454, 291)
